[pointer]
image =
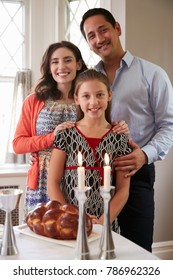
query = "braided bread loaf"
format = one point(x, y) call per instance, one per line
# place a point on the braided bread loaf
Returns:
point(55, 220)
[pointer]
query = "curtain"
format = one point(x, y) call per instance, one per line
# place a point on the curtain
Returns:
point(22, 85)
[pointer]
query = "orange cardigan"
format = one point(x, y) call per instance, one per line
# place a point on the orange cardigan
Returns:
point(25, 138)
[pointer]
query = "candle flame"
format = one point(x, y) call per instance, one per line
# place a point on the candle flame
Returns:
point(79, 158)
point(106, 159)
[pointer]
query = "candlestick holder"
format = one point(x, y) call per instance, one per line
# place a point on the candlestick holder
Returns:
point(107, 249)
point(9, 200)
point(81, 249)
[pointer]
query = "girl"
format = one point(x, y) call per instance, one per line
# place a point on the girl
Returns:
point(92, 135)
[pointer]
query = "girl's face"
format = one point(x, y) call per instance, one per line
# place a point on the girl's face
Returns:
point(63, 65)
point(93, 97)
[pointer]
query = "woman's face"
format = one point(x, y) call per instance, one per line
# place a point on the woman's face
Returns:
point(63, 65)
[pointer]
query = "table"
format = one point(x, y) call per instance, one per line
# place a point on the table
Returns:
point(31, 248)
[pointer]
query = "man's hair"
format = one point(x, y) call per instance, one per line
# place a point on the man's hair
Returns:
point(97, 11)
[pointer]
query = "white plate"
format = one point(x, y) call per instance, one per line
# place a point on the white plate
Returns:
point(71, 243)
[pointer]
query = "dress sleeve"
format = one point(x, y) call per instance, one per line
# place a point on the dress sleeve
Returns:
point(59, 142)
point(124, 147)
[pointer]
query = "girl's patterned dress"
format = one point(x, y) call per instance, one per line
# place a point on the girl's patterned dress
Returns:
point(52, 114)
point(93, 150)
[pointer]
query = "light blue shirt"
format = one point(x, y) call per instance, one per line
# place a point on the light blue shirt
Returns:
point(143, 97)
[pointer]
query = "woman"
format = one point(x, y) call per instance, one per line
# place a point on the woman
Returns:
point(44, 112)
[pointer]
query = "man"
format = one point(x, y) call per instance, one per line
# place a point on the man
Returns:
point(143, 97)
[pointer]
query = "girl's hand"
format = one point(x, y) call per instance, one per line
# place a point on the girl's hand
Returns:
point(120, 127)
point(63, 126)
point(94, 219)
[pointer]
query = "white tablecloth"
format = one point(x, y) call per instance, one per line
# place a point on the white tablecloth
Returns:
point(33, 248)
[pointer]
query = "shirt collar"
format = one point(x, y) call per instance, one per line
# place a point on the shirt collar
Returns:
point(127, 59)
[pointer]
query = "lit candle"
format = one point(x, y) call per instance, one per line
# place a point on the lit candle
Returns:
point(81, 172)
point(107, 172)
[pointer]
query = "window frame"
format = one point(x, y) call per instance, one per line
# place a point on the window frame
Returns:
point(38, 16)
point(25, 52)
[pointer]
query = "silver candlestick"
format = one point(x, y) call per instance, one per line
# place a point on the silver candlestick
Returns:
point(9, 200)
point(107, 249)
point(81, 249)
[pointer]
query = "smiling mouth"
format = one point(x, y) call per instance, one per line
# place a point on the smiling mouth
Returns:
point(63, 74)
point(105, 45)
point(94, 109)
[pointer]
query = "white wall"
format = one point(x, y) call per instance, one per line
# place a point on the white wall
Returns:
point(42, 31)
point(148, 33)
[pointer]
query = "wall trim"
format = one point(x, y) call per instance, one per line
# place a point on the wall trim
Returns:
point(163, 250)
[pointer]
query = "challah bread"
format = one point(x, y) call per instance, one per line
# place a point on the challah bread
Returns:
point(57, 221)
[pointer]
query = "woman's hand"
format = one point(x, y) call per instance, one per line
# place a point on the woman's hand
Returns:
point(63, 126)
point(33, 158)
point(120, 127)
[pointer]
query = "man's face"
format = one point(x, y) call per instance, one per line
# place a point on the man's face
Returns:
point(102, 38)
